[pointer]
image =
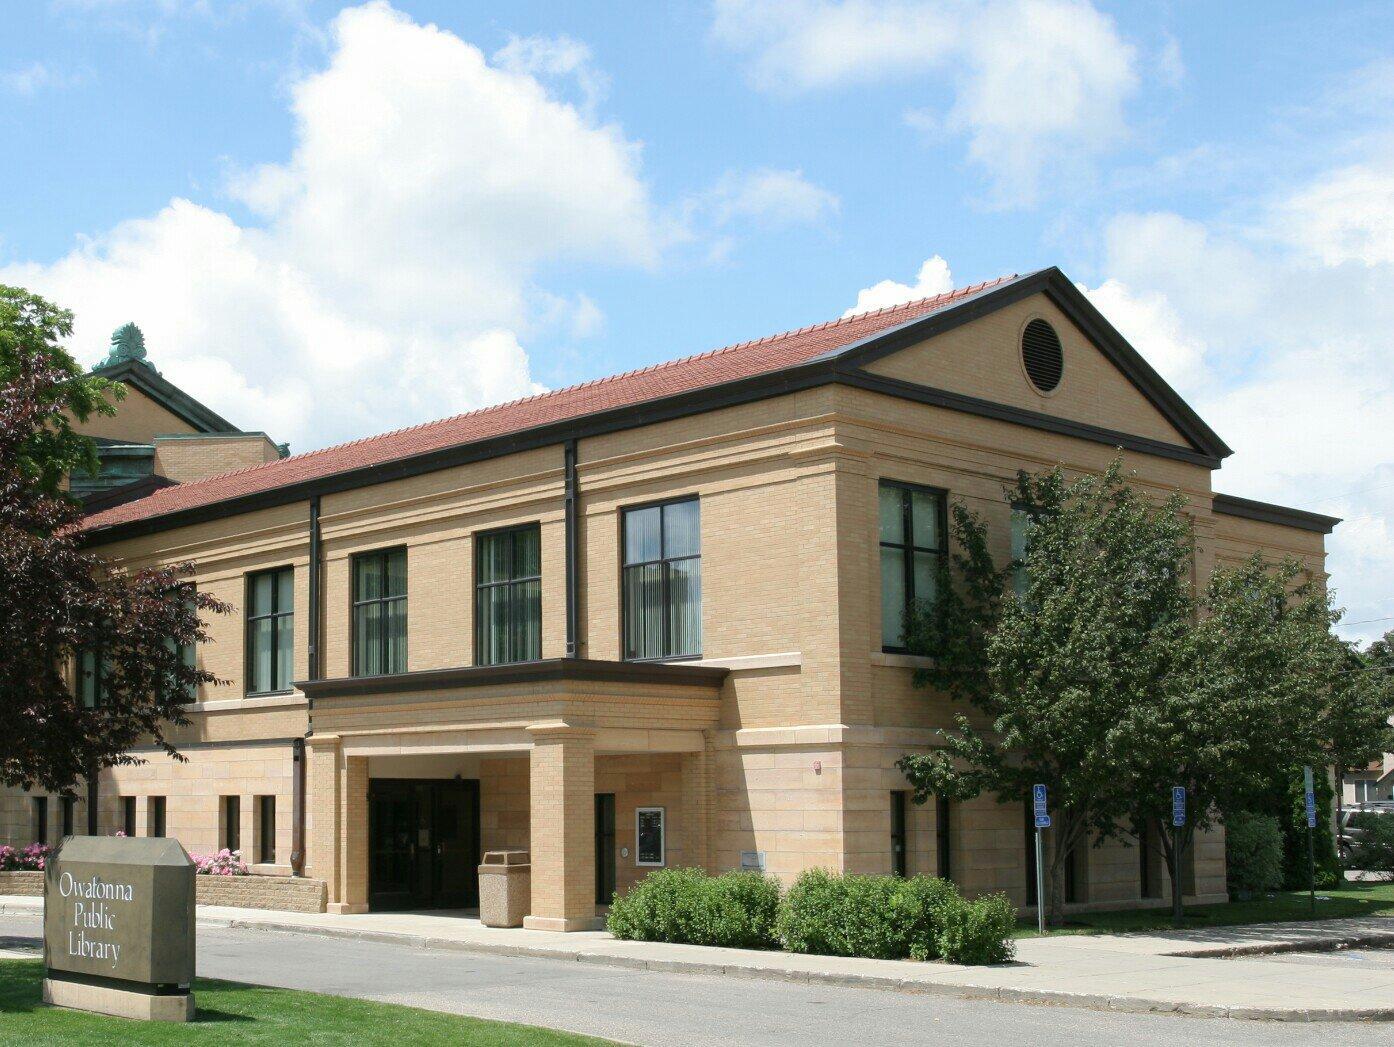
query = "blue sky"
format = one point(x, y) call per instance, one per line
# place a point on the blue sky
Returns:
point(331, 221)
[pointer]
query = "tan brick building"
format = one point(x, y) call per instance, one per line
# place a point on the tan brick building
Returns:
point(650, 620)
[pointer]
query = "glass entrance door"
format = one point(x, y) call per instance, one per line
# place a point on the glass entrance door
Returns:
point(423, 844)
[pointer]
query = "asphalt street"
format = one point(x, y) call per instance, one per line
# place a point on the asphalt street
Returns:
point(670, 1009)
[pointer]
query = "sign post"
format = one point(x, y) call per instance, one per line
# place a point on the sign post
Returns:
point(1040, 806)
point(119, 927)
point(1309, 798)
point(1178, 821)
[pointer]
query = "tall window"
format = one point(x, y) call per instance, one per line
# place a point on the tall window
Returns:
point(270, 620)
point(128, 815)
point(508, 596)
point(663, 580)
point(232, 823)
point(1021, 530)
point(66, 807)
point(41, 819)
point(157, 816)
point(943, 838)
point(186, 652)
point(266, 830)
point(380, 613)
point(900, 863)
point(91, 678)
point(912, 548)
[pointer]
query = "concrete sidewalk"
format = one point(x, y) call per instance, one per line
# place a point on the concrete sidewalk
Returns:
point(1219, 972)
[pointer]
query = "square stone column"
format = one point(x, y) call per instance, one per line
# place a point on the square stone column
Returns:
point(322, 812)
point(562, 829)
point(353, 827)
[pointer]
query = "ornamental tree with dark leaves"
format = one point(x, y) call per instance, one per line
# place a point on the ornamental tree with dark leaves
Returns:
point(94, 659)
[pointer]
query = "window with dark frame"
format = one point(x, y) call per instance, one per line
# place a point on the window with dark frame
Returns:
point(942, 839)
point(1021, 531)
point(41, 819)
point(900, 863)
point(91, 678)
point(232, 823)
point(128, 815)
point(66, 807)
point(187, 652)
point(266, 830)
point(913, 546)
point(380, 612)
point(270, 630)
point(662, 580)
point(508, 596)
point(157, 816)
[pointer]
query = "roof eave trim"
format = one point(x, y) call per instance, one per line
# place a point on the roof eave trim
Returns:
point(1068, 298)
point(1020, 416)
point(1268, 512)
point(707, 398)
point(551, 670)
point(167, 395)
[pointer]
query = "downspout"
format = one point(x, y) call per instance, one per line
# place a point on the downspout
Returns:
point(297, 845)
point(572, 551)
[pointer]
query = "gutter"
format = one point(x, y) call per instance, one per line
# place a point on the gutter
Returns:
point(313, 671)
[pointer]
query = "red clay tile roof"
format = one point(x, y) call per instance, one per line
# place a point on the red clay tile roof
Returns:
point(690, 373)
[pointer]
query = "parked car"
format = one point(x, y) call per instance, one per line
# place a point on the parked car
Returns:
point(1348, 829)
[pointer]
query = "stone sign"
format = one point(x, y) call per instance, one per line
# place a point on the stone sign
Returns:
point(119, 927)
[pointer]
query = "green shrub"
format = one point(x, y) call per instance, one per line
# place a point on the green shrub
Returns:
point(833, 915)
point(736, 910)
point(1373, 848)
point(1253, 853)
point(886, 918)
point(976, 932)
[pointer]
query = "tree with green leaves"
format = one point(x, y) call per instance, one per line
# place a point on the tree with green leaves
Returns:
point(31, 330)
point(1262, 688)
point(1092, 666)
point(1054, 650)
point(94, 658)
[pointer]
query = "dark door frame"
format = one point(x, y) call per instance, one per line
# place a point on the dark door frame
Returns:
point(423, 887)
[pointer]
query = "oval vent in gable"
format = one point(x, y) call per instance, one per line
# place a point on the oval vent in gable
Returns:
point(1042, 355)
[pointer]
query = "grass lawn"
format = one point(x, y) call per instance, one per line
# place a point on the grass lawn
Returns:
point(1351, 899)
point(233, 1013)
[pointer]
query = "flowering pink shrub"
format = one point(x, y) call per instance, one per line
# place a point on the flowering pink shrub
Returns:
point(221, 863)
point(33, 858)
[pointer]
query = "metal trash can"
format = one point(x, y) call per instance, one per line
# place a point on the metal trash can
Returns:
point(505, 888)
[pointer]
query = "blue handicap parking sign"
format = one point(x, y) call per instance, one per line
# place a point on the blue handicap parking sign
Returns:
point(1040, 806)
point(1309, 797)
point(1178, 805)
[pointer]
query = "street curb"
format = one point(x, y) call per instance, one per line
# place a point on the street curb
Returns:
point(1371, 939)
point(1038, 997)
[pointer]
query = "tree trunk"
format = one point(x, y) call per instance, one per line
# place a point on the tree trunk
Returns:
point(1174, 844)
point(1067, 838)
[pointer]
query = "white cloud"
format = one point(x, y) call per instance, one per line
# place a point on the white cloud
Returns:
point(1346, 215)
point(1148, 321)
point(768, 197)
point(392, 272)
point(1036, 83)
point(1283, 331)
point(37, 76)
point(933, 279)
point(800, 45)
point(557, 59)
